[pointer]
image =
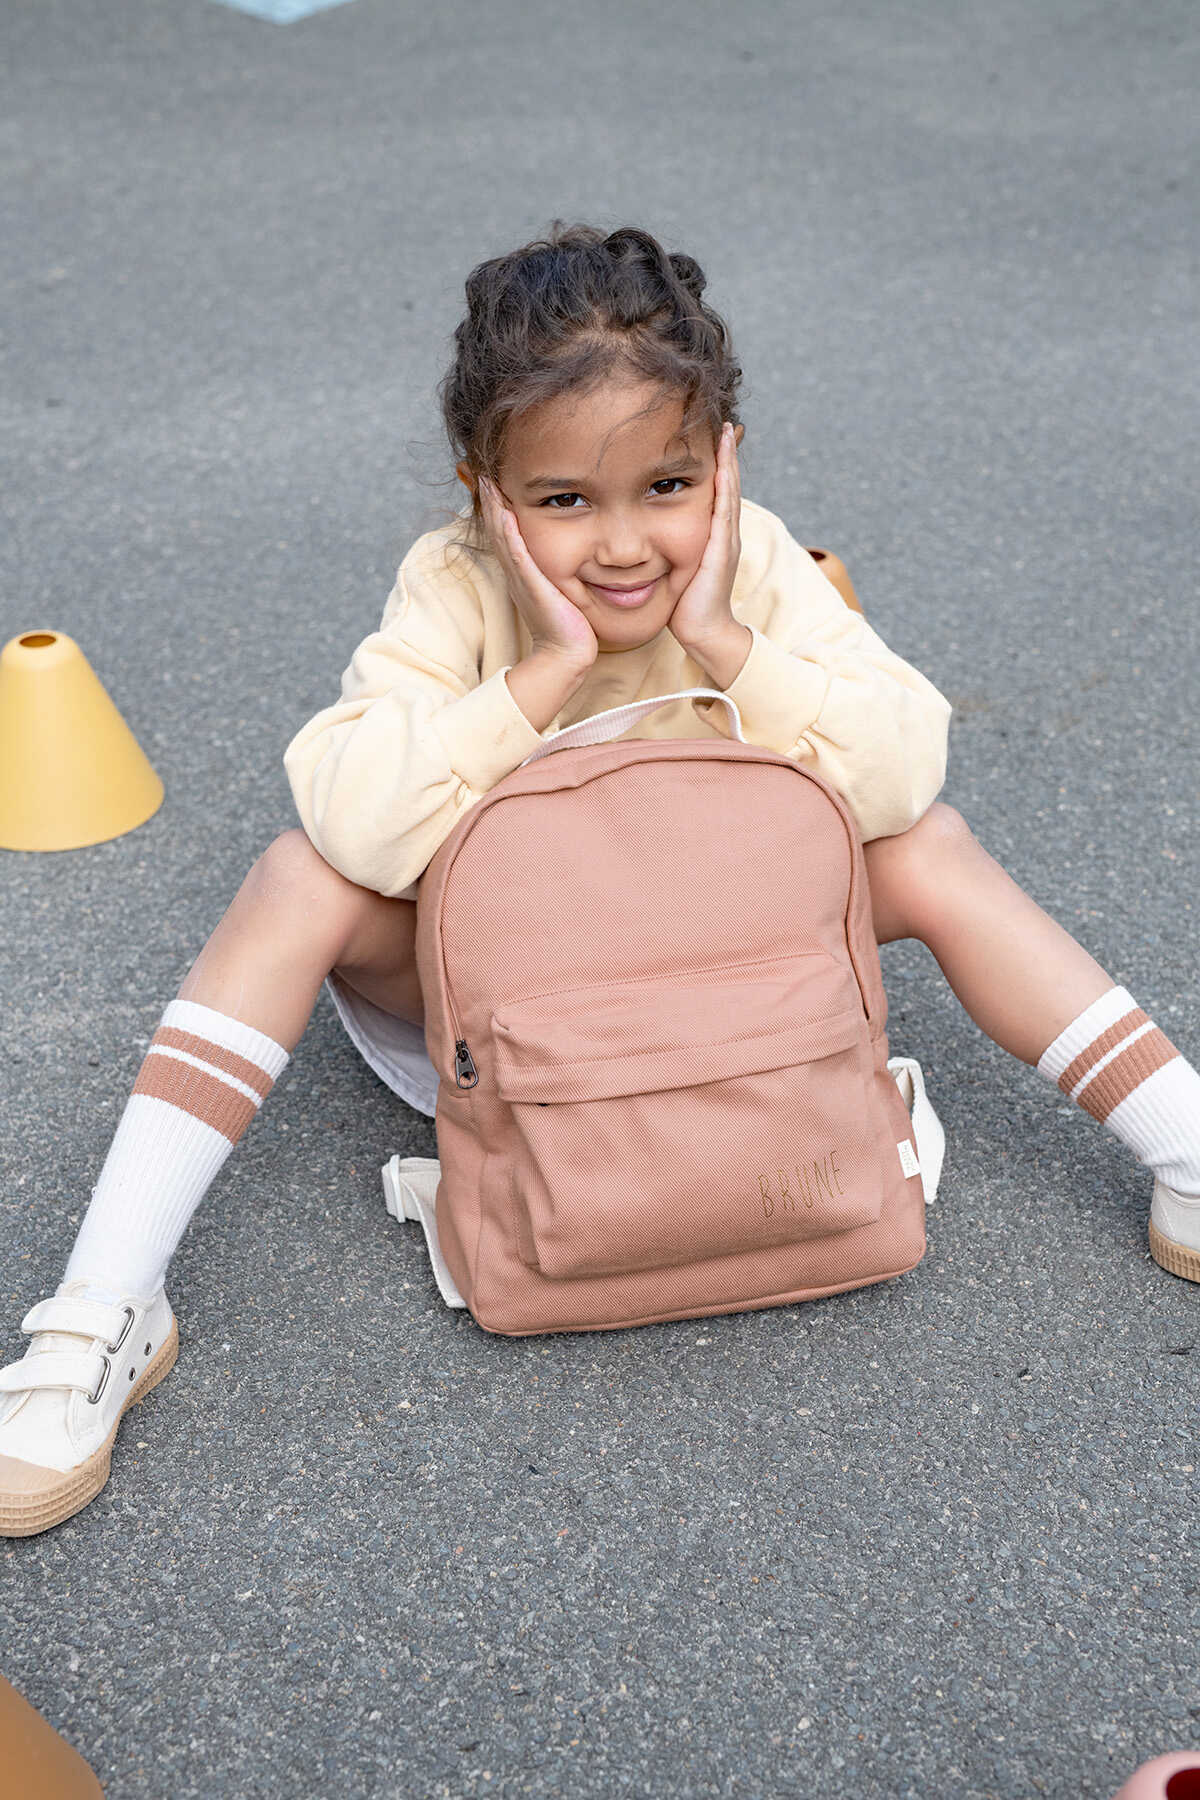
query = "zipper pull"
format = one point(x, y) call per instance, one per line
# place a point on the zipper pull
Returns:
point(464, 1066)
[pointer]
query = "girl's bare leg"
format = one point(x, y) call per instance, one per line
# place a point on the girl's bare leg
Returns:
point(204, 1077)
point(1022, 978)
point(293, 919)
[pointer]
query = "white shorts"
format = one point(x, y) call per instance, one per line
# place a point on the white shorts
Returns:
point(393, 1047)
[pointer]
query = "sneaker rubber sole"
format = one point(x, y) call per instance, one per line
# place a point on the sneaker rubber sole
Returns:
point(1177, 1259)
point(32, 1499)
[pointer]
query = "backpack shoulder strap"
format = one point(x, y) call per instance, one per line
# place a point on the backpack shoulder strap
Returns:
point(603, 726)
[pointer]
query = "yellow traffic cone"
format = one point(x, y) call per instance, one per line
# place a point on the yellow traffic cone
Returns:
point(71, 771)
point(834, 569)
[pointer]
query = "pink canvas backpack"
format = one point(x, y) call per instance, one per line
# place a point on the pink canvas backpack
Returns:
point(654, 1003)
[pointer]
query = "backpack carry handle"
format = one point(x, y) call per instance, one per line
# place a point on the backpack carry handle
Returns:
point(603, 726)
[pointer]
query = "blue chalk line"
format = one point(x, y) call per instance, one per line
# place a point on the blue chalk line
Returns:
point(281, 12)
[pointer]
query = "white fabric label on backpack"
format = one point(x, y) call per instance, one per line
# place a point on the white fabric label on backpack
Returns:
point(908, 1158)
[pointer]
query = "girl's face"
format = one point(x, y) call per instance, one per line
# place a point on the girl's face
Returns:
point(613, 503)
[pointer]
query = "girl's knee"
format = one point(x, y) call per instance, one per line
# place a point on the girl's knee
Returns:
point(907, 872)
point(369, 938)
point(941, 830)
point(292, 871)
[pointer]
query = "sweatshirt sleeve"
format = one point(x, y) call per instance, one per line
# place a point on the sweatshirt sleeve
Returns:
point(381, 777)
point(819, 685)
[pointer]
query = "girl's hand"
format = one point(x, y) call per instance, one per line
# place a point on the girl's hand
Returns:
point(555, 623)
point(703, 612)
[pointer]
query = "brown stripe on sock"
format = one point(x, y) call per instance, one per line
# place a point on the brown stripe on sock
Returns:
point(1099, 1047)
point(206, 1097)
point(1127, 1071)
point(250, 1072)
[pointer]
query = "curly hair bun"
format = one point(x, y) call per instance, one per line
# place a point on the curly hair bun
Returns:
point(631, 244)
point(689, 272)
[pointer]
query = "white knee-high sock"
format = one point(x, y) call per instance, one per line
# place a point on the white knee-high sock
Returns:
point(1116, 1064)
point(203, 1079)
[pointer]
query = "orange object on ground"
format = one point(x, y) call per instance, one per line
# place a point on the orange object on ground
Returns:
point(37, 1763)
point(71, 771)
point(834, 569)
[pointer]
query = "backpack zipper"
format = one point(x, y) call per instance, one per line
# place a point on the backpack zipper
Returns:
point(466, 1075)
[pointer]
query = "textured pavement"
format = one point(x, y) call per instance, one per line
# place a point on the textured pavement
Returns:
point(937, 1537)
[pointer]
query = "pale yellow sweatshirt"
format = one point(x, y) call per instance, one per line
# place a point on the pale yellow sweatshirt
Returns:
point(427, 724)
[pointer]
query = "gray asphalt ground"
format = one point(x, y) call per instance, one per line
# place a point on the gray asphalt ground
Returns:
point(937, 1537)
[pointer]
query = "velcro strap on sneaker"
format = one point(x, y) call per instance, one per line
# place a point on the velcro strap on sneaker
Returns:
point(80, 1369)
point(73, 1312)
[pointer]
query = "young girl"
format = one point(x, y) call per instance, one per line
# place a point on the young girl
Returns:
point(606, 556)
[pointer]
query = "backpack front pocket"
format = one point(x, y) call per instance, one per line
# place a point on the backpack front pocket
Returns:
point(663, 1121)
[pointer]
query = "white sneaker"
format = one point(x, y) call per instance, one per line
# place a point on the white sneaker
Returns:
point(1175, 1231)
point(60, 1405)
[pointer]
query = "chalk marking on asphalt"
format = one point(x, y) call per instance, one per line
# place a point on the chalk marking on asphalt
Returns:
point(281, 12)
